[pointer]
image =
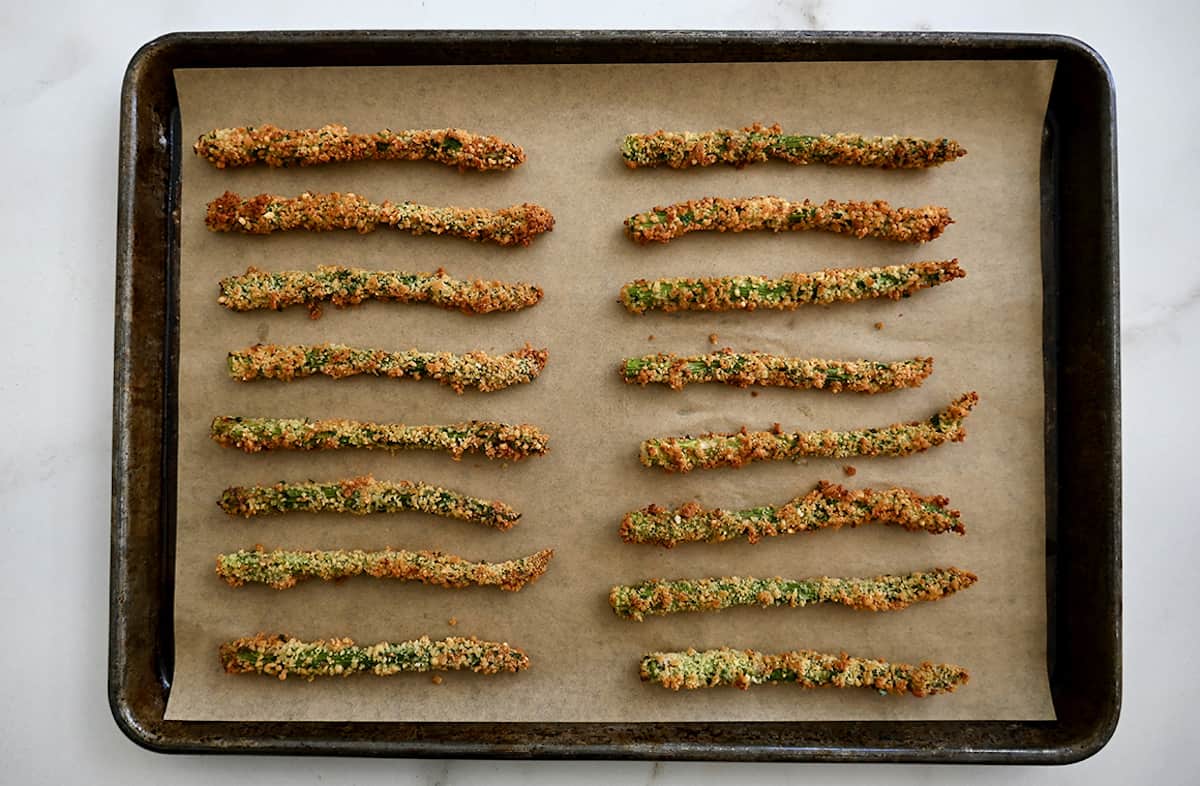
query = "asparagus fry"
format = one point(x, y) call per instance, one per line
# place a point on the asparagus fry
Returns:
point(683, 454)
point(828, 506)
point(346, 286)
point(875, 219)
point(756, 143)
point(788, 292)
point(276, 147)
point(807, 668)
point(266, 213)
point(476, 370)
point(283, 569)
point(882, 593)
point(280, 655)
point(494, 440)
point(743, 369)
point(364, 495)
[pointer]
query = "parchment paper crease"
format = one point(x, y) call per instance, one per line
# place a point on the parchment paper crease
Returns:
point(984, 332)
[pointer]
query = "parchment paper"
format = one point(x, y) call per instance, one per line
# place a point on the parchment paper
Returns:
point(984, 332)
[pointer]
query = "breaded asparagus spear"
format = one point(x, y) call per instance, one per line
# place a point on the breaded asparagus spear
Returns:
point(882, 593)
point(364, 495)
point(683, 454)
point(494, 440)
point(788, 292)
point(347, 286)
point(283, 569)
point(743, 369)
point(756, 143)
point(478, 370)
point(806, 668)
point(875, 219)
point(828, 506)
point(280, 655)
point(266, 213)
point(275, 147)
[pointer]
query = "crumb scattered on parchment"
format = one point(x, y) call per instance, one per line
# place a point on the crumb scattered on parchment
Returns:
point(452, 621)
point(879, 326)
point(437, 679)
point(713, 338)
point(650, 337)
point(849, 470)
point(754, 394)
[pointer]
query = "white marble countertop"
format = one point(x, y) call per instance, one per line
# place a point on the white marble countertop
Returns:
point(62, 66)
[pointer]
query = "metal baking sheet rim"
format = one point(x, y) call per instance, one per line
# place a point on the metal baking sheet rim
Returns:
point(1082, 409)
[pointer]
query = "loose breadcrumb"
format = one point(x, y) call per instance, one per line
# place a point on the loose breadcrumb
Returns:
point(808, 669)
point(266, 213)
point(364, 495)
point(757, 143)
point(875, 219)
point(849, 470)
point(282, 569)
point(881, 593)
point(683, 454)
point(742, 369)
point(879, 326)
point(788, 292)
point(477, 370)
point(828, 506)
point(347, 286)
point(279, 655)
point(281, 147)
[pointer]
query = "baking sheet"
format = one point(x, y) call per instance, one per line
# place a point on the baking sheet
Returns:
point(984, 332)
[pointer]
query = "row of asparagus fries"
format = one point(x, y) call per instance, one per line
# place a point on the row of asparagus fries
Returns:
point(671, 453)
point(829, 506)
